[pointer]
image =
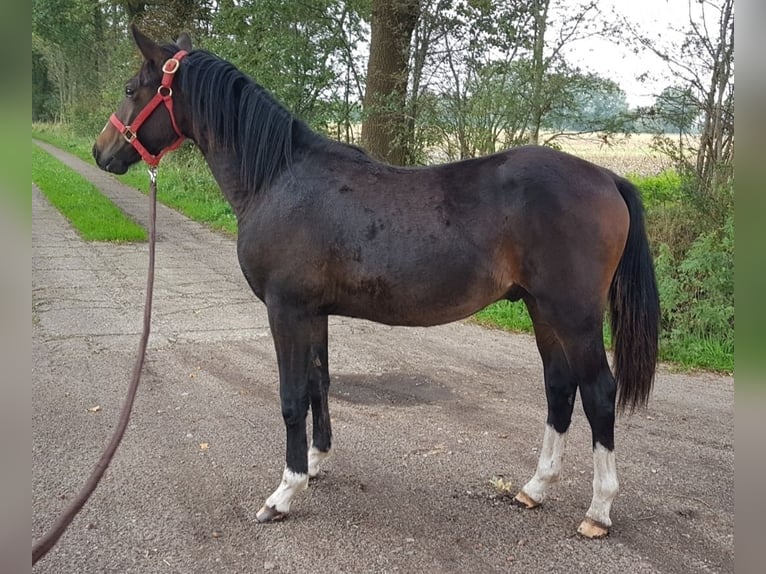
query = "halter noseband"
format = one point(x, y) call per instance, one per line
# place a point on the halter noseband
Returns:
point(164, 95)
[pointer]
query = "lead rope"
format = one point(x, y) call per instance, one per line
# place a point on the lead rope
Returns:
point(49, 540)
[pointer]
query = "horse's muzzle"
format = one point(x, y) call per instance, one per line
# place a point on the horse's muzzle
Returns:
point(112, 164)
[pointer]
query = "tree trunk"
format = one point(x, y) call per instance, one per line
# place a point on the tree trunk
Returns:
point(384, 131)
point(540, 15)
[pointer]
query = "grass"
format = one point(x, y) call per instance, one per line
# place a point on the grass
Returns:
point(506, 315)
point(184, 182)
point(93, 216)
point(513, 316)
point(702, 353)
point(687, 353)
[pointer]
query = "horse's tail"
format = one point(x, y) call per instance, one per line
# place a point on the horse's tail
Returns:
point(635, 309)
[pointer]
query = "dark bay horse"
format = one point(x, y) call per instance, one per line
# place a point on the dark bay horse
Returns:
point(324, 229)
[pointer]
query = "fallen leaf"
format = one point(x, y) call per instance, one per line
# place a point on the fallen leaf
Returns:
point(203, 446)
point(501, 485)
point(95, 409)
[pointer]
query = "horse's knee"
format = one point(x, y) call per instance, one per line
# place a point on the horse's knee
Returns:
point(294, 412)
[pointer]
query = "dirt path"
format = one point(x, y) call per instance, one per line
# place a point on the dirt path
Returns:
point(423, 418)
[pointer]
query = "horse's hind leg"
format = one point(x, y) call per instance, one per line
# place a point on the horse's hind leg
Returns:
point(560, 390)
point(598, 389)
point(598, 392)
point(319, 386)
point(571, 345)
point(297, 338)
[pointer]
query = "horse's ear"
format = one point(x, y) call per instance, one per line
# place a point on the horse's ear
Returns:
point(184, 42)
point(150, 49)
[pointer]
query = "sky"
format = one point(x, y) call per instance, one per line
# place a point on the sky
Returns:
point(619, 63)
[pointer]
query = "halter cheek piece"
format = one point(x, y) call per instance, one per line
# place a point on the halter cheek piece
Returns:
point(164, 96)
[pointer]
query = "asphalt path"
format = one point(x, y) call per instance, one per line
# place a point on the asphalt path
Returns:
point(423, 419)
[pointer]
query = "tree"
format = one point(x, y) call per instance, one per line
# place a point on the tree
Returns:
point(80, 47)
point(703, 64)
point(302, 52)
point(675, 110)
point(496, 76)
point(554, 27)
point(65, 36)
point(385, 127)
point(477, 75)
point(44, 101)
point(587, 103)
point(169, 18)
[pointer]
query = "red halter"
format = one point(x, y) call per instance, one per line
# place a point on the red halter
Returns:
point(164, 95)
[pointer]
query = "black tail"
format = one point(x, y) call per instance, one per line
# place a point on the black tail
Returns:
point(635, 310)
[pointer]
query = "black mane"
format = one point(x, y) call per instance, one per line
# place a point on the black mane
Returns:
point(237, 114)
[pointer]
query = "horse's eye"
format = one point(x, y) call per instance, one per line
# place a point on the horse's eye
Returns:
point(129, 91)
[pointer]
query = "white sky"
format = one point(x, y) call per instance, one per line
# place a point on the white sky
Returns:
point(619, 63)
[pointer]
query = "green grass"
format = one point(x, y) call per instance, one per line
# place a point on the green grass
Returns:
point(59, 136)
point(699, 353)
point(514, 317)
point(184, 182)
point(506, 315)
point(93, 216)
point(685, 352)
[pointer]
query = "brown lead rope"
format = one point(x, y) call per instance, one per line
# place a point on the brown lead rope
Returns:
point(49, 540)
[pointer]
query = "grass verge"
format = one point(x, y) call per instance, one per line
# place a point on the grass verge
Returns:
point(506, 315)
point(513, 316)
point(93, 216)
point(184, 182)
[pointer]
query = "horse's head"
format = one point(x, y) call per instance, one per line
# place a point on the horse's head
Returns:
point(148, 122)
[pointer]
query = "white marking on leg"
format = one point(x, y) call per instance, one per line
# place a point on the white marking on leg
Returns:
point(605, 485)
point(316, 456)
point(292, 483)
point(548, 466)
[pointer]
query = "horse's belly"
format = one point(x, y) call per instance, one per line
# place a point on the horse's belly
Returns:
point(429, 297)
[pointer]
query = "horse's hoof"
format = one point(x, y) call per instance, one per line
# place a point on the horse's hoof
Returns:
point(523, 500)
point(269, 514)
point(592, 529)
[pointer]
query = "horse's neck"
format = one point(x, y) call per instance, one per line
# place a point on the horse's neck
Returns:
point(225, 166)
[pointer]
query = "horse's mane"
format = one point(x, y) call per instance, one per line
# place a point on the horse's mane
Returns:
point(237, 114)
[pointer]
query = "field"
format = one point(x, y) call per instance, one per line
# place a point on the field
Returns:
point(630, 155)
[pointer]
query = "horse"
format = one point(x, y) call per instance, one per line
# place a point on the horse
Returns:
point(325, 229)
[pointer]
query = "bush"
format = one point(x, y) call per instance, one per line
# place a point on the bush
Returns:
point(697, 299)
point(659, 190)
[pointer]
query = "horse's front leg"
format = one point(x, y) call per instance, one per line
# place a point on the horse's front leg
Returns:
point(319, 386)
point(297, 335)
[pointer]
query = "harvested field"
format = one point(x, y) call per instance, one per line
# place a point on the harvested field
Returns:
point(629, 155)
point(625, 155)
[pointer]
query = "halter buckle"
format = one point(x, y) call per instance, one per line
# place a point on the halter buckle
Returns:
point(129, 134)
point(170, 66)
